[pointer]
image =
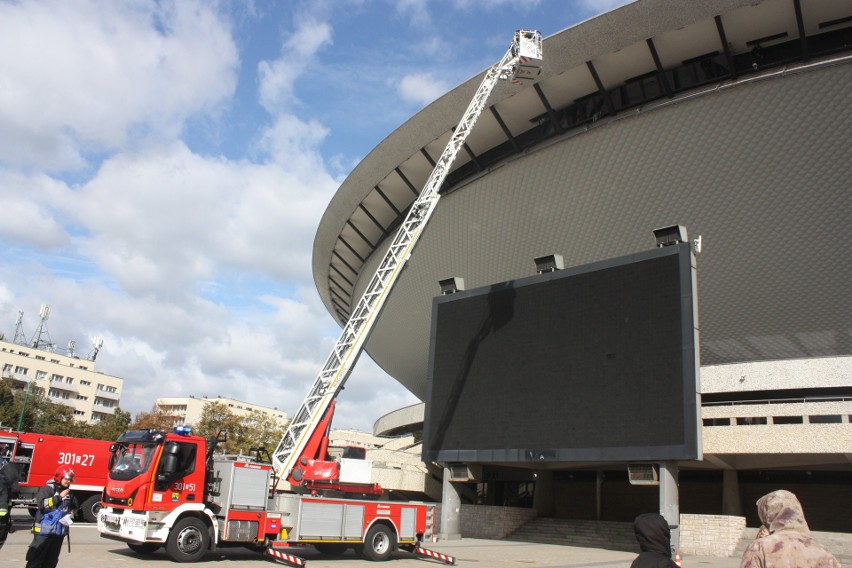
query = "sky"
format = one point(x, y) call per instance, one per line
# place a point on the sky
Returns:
point(164, 166)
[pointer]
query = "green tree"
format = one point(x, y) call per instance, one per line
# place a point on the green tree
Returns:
point(216, 418)
point(9, 406)
point(46, 417)
point(263, 432)
point(111, 428)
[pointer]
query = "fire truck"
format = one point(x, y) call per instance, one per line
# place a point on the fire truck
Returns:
point(38, 456)
point(171, 489)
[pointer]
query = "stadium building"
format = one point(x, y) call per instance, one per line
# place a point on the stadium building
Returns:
point(729, 117)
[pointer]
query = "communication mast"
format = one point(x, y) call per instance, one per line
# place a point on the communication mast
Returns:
point(97, 343)
point(20, 338)
point(37, 341)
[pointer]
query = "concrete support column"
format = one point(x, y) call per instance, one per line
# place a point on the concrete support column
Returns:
point(544, 497)
point(450, 510)
point(599, 479)
point(731, 501)
point(670, 501)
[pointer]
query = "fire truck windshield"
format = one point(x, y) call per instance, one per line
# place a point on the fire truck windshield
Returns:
point(130, 460)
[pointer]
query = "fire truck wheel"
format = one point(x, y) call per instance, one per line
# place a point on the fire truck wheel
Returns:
point(90, 507)
point(144, 547)
point(188, 540)
point(379, 544)
point(331, 548)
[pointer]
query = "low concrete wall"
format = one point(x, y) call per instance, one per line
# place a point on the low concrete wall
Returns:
point(710, 535)
point(483, 521)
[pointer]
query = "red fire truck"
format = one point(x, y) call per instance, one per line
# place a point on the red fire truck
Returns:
point(38, 456)
point(171, 490)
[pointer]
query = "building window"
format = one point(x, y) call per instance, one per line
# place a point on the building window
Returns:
point(69, 380)
point(79, 413)
point(54, 361)
point(717, 421)
point(83, 367)
point(787, 420)
point(41, 375)
point(39, 357)
point(751, 421)
point(57, 394)
point(81, 397)
point(57, 378)
point(825, 419)
point(21, 370)
point(85, 383)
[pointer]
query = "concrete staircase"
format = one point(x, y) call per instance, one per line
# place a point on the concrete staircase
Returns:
point(567, 532)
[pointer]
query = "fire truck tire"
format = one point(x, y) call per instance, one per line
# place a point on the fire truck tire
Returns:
point(379, 544)
point(144, 547)
point(188, 540)
point(90, 507)
point(331, 548)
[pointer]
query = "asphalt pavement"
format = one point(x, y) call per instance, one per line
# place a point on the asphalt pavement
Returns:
point(89, 550)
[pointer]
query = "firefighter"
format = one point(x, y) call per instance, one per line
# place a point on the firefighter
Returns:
point(56, 506)
point(8, 487)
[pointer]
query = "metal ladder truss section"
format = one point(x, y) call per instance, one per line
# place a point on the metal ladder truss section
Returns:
point(341, 361)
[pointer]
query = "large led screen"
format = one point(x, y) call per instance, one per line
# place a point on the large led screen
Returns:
point(592, 363)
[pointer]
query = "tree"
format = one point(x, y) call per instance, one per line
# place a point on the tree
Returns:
point(216, 418)
point(9, 406)
point(245, 434)
point(52, 418)
point(263, 431)
point(154, 419)
point(111, 428)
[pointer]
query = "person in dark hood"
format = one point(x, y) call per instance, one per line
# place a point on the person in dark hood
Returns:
point(655, 542)
point(789, 542)
point(9, 474)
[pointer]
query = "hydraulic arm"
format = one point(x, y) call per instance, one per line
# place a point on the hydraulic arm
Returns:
point(521, 64)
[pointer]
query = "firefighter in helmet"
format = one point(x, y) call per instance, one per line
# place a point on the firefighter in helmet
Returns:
point(56, 506)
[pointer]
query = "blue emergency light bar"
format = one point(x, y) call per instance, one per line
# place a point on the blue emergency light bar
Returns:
point(183, 430)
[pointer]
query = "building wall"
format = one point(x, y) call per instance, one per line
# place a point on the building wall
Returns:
point(70, 381)
point(189, 409)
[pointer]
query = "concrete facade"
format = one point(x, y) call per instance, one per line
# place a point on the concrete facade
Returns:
point(188, 409)
point(729, 117)
point(70, 381)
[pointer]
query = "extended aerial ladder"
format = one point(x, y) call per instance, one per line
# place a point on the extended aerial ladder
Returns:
point(521, 64)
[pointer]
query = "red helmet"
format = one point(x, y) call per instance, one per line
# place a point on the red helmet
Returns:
point(63, 471)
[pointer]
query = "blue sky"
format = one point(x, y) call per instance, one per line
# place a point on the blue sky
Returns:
point(164, 166)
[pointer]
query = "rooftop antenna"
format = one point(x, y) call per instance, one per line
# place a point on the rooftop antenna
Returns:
point(71, 345)
point(37, 341)
point(20, 338)
point(97, 343)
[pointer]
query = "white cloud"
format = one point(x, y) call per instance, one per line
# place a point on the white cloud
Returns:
point(417, 12)
point(277, 77)
point(421, 88)
point(81, 75)
point(28, 218)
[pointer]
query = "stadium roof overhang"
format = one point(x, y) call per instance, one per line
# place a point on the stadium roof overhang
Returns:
point(730, 117)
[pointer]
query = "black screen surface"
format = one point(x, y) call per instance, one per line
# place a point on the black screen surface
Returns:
point(592, 363)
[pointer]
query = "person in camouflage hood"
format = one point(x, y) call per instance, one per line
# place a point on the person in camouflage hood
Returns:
point(789, 543)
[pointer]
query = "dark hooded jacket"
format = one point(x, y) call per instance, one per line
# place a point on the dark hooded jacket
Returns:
point(8, 482)
point(789, 543)
point(655, 541)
